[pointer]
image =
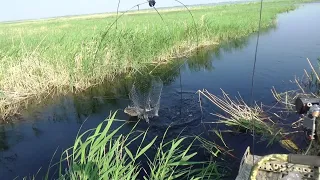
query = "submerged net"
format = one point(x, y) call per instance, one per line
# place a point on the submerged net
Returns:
point(145, 96)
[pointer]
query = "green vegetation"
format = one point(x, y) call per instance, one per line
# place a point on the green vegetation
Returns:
point(240, 115)
point(104, 153)
point(243, 118)
point(309, 86)
point(56, 56)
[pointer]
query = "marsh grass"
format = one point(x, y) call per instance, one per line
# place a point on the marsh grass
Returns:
point(307, 86)
point(244, 117)
point(286, 98)
point(105, 153)
point(72, 54)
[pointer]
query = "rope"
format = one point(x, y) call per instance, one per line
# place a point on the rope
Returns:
point(104, 34)
point(194, 22)
point(309, 147)
point(253, 74)
point(118, 14)
point(178, 67)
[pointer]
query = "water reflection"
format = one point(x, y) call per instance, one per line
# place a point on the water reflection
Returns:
point(76, 108)
point(58, 119)
point(89, 101)
point(3, 139)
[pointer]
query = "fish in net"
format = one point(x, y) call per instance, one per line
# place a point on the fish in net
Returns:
point(145, 96)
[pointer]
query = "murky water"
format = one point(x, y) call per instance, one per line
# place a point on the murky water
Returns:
point(28, 145)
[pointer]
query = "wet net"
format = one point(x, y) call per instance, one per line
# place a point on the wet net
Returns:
point(145, 96)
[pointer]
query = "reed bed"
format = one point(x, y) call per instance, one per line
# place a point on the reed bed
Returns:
point(240, 115)
point(72, 54)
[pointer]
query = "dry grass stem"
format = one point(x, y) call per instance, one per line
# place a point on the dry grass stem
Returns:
point(239, 114)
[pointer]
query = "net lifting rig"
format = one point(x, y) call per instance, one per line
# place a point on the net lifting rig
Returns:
point(280, 166)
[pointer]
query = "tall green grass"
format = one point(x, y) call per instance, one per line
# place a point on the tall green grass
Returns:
point(105, 153)
point(60, 55)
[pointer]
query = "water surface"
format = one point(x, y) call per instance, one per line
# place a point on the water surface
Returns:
point(28, 145)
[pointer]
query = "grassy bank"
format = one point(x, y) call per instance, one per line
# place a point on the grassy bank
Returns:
point(71, 54)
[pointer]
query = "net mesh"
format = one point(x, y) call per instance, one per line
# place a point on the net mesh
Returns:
point(145, 96)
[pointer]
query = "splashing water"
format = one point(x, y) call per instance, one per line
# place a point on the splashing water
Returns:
point(145, 96)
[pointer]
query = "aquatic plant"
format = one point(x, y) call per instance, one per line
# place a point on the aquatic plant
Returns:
point(242, 116)
point(308, 85)
point(57, 56)
point(104, 153)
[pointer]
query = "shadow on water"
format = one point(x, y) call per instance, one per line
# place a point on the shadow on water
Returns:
point(3, 140)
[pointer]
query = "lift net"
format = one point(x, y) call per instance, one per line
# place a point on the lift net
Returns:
point(145, 96)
